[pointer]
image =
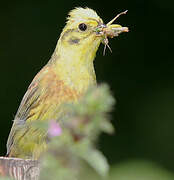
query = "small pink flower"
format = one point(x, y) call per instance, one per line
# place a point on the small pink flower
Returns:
point(54, 129)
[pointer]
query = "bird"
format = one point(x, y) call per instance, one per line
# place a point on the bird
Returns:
point(64, 79)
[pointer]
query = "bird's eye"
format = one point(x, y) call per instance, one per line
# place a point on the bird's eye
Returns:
point(82, 27)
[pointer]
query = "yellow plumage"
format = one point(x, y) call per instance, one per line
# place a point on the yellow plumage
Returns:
point(64, 79)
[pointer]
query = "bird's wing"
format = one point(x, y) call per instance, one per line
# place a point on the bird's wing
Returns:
point(28, 102)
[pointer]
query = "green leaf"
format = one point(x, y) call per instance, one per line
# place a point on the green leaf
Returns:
point(107, 127)
point(97, 161)
point(5, 178)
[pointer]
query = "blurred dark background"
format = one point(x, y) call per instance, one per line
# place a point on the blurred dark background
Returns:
point(140, 71)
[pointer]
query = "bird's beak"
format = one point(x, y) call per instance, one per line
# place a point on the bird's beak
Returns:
point(111, 30)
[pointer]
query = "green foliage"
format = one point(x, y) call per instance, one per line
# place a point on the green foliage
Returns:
point(139, 170)
point(5, 178)
point(72, 154)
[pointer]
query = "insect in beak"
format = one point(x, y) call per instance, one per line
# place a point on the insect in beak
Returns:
point(110, 30)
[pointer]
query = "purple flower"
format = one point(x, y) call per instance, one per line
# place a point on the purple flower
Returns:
point(54, 129)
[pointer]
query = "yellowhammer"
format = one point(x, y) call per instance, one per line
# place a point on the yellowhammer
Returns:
point(64, 79)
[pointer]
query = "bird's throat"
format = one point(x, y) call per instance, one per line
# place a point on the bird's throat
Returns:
point(75, 69)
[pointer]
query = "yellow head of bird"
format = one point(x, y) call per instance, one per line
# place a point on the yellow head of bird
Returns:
point(85, 30)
